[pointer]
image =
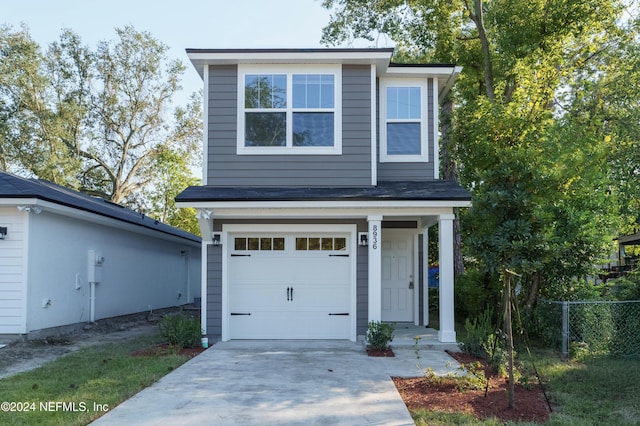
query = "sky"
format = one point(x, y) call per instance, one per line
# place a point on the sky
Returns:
point(179, 24)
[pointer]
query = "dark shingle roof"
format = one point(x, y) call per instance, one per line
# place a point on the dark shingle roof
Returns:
point(12, 186)
point(436, 190)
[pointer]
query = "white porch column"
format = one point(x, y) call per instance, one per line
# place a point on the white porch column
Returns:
point(425, 279)
point(447, 331)
point(375, 267)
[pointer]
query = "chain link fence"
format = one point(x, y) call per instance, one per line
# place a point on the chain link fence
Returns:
point(594, 327)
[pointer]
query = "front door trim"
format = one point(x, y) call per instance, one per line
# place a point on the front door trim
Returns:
point(412, 239)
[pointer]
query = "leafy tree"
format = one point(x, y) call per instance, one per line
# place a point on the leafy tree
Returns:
point(98, 120)
point(134, 87)
point(539, 178)
point(31, 115)
point(531, 213)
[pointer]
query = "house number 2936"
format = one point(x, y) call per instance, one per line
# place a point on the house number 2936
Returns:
point(374, 237)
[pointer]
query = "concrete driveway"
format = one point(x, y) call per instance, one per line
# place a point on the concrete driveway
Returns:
point(280, 383)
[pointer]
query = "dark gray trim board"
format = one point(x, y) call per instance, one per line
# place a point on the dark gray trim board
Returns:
point(437, 190)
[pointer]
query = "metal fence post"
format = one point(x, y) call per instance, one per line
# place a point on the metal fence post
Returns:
point(565, 328)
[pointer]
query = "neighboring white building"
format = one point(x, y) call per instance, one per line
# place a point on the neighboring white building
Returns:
point(68, 258)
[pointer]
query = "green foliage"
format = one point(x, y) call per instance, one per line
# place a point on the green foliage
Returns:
point(380, 334)
point(477, 332)
point(95, 120)
point(475, 291)
point(545, 129)
point(482, 339)
point(474, 379)
point(625, 288)
point(181, 330)
point(105, 374)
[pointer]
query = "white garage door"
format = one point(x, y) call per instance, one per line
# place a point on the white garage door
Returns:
point(289, 286)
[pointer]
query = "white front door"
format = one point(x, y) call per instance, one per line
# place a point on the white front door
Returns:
point(397, 276)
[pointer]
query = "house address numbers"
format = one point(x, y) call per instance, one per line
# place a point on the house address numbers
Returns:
point(374, 237)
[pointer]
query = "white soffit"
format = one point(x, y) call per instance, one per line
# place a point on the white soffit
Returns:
point(379, 57)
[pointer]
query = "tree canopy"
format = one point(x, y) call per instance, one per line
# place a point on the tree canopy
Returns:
point(543, 132)
point(99, 120)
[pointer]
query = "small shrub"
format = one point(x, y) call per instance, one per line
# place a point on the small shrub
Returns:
point(497, 356)
point(475, 379)
point(379, 335)
point(477, 333)
point(180, 330)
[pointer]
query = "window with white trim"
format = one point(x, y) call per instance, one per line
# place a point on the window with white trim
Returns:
point(403, 127)
point(289, 109)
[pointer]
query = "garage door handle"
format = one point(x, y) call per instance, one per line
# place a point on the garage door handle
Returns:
point(341, 314)
point(288, 290)
point(240, 313)
point(338, 255)
point(291, 293)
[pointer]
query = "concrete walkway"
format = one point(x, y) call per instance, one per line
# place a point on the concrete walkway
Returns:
point(281, 383)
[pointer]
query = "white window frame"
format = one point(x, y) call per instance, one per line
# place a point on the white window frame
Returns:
point(423, 157)
point(289, 71)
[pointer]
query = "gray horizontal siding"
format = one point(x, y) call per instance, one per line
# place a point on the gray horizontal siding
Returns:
point(214, 291)
point(410, 171)
point(214, 274)
point(352, 168)
point(362, 285)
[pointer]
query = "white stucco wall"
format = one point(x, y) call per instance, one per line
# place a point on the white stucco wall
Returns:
point(140, 271)
point(13, 270)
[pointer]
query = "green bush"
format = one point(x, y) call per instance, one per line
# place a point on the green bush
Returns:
point(475, 291)
point(477, 333)
point(379, 335)
point(626, 288)
point(483, 340)
point(180, 330)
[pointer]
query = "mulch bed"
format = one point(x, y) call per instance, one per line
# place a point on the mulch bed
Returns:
point(442, 394)
point(164, 349)
point(380, 353)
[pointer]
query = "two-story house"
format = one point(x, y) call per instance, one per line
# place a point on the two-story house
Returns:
point(321, 181)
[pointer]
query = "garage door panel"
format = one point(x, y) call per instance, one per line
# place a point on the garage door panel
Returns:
point(320, 269)
point(279, 325)
point(256, 296)
point(325, 296)
point(290, 294)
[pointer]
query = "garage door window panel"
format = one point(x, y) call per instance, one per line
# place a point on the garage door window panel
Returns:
point(259, 244)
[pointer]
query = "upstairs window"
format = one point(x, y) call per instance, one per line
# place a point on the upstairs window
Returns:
point(289, 110)
point(403, 127)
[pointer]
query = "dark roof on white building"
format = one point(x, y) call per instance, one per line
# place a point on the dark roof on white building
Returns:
point(16, 187)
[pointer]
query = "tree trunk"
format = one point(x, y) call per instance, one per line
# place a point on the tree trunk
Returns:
point(532, 295)
point(509, 332)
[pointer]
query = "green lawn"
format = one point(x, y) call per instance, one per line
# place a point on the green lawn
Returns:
point(597, 391)
point(78, 387)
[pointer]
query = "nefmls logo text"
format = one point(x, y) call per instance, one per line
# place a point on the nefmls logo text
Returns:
point(63, 406)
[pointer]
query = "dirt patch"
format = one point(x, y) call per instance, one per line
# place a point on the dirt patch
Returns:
point(444, 394)
point(26, 354)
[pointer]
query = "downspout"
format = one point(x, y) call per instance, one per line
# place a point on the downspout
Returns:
point(92, 301)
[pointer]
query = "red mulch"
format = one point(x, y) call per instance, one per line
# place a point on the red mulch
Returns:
point(442, 394)
point(380, 353)
point(164, 349)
